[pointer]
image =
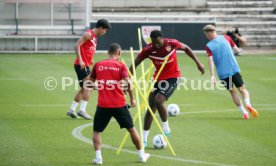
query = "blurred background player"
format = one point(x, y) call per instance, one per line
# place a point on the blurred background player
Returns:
point(111, 101)
point(85, 49)
point(156, 52)
point(238, 39)
point(219, 50)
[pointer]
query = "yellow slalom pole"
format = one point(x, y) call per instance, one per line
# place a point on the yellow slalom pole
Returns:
point(138, 114)
point(151, 112)
point(142, 64)
point(159, 71)
point(144, 75)
point(139, 39)
point(138, 108)
point(137, 98)
point(149, 90)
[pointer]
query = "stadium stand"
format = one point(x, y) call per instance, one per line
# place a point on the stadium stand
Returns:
point(255, 19)
point(34, 25)
point(42, 25)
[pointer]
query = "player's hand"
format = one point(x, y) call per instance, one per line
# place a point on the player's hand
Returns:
point(82, 65)
point(133, 103)
point(200, 67)
point(213, 80)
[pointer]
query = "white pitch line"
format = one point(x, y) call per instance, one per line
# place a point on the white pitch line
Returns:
point(200, 112)
point(11, 79)
point(185, 105)
point(45, 105)
point(268, 79)
point(77, 134)
point(267, 109)
point(265, 105)
point(224, 110)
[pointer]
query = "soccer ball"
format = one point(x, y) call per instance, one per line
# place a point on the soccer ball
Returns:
point(173, 109)
point(159, 142)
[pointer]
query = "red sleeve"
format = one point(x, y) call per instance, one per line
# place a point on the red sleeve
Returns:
point(93, 73)
point(175, 44)
point(231, 42)
point(209, 52)
point(143, 54)
point(124, 72)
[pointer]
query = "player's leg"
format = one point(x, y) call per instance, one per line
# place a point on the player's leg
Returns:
point(124, 119)
point(75, 103)
point(81, 74)
point(85, 95)
point(160, 100)
point(136, 141)
point(228, 83)
point(238, 102)
point(97, 146)
point(148, 118)
point(78, 96)
point(101, 120)
point(165, 89)
point(245, 94)
point(238, 81)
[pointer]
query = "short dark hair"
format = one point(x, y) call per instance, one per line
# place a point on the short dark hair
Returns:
point(103, 23)
point(113, 48)
point(155, 34)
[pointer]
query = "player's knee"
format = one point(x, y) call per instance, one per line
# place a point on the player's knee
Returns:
point(131, 130)
point(159, 100)
point(242, 88)
point(152, 104)
point(232, 91)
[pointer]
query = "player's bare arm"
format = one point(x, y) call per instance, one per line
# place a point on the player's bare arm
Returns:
point(130, 91)
point(212, 69)
point(136, 63)
point(236, 49)
point(191, 54)
point(86, 36)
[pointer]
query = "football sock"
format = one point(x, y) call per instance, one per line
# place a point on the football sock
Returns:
point(145, 134)
point(141, 152)
point(74, 105)
point(247, 102)
point(83, 105)
point(98, 154)
point(241, 108)
point(166, 124)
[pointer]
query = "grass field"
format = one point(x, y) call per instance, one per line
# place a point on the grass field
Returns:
point(209, 131)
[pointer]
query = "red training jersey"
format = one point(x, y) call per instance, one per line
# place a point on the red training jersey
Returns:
point(157, 56)
point(88, 49)
point(109, 74)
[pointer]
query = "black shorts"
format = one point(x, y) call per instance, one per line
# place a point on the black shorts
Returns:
point(236, 79)
point(82, 73)
point(103, 116)
point(166, 87)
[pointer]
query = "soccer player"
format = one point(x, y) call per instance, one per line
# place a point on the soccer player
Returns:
point(169, 78)
point(220, 53)
point(111, 101)
point(85, 49)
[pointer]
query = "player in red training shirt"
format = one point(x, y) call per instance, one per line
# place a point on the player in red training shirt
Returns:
point(85, 49)
point(111, 101)
point(169, 77)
